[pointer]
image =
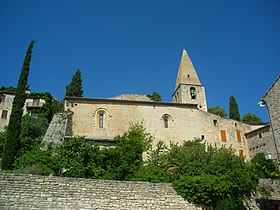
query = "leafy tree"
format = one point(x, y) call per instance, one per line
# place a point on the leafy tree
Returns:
point(80, 158)
point(154, 171)
point(75, 87)
point(124, 161)
point(155, 96)
point(32, 128)
point(37, 161)
point(217, 111)
point(50, 107)
point(229, 203)
point(224, 175)
point(233, 109)
point(249, 117)
point(12, 144)
point(265, 168)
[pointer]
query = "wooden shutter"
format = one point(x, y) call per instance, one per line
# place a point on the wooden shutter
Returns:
point(241, 155)
point(238, 135)
point(223, 135)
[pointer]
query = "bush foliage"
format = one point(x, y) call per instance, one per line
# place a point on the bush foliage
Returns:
point(217, 111)
point(265, 168)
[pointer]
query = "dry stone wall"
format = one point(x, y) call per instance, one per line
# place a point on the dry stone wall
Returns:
point(59, 127)
point(20, 191)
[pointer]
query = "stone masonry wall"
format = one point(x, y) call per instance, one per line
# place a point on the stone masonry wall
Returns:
point(261, 140)
point(272, 99)
point(266, 196)
point(58, 128)
point(20, 191)
point(185, 122)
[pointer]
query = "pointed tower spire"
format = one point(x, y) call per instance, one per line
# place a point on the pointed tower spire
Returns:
point(188, 88)
point(186, 73)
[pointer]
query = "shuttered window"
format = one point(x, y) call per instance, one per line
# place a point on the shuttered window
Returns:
point(223, 135)
point(241, 155)
point(238, 135)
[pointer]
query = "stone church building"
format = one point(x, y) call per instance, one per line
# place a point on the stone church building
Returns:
point(185, 118)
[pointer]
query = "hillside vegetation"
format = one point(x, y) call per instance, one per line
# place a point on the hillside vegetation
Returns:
point(199, 172)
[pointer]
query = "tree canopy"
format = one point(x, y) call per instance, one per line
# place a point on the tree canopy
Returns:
point(75, 87)
point(249, 117)
point(217, 111)
point(233, 109)
point(155, 96)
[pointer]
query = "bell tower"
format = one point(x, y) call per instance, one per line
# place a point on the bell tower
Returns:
point(188, 88)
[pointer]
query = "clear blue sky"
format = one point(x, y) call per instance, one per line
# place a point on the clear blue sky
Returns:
point(135, 46)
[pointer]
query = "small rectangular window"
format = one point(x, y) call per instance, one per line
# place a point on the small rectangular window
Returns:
point(4, 114)
point(215, 122)
point(238, 136)
point(223, 135)
point(260, 135)
point(202, 137)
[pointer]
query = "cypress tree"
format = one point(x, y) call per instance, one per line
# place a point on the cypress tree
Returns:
point(233, 109)
point(75, 87)
point(12, 144)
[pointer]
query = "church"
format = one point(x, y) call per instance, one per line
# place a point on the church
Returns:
point(185, 118)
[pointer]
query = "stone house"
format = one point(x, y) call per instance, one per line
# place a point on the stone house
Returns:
point(269, 134)
point(6, 104)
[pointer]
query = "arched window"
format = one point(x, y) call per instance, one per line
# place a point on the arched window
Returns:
point(193, 93)
point(100, 116)
point(166, 118)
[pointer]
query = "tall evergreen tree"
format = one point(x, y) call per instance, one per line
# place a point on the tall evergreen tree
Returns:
point(75, 87)
point(12, 144)
point(233, 109)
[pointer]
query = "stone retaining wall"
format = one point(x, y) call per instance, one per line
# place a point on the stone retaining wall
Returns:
point(20, 191)
point(58, 128)
point(266, 196)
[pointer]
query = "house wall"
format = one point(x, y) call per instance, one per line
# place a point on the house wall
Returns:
point(261, 141)
point(7, 104)
point(272, 99)
point(185, 122)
